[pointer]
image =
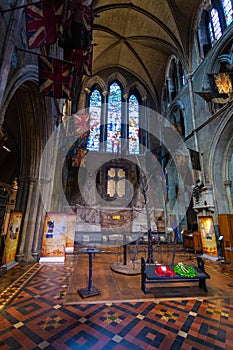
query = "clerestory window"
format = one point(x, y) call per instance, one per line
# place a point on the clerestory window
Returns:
point(227, 8)
point(214, 26)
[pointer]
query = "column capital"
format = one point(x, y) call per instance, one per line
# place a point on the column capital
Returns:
point(87, 90)
point(105, 93)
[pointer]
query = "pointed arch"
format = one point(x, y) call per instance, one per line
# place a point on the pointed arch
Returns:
point(114, 115)
point(133, 125)
point(95, 107)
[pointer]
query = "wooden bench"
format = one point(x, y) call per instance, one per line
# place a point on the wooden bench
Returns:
point(149, 276)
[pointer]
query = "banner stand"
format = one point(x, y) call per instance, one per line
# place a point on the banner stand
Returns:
point(58, 236)
point(52, 259)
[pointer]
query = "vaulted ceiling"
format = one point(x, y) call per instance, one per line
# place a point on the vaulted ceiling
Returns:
point(140, 35)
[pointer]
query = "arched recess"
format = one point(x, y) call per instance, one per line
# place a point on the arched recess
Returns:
point(177, 117)
point(213, 64)
point(96, 80)
point(140, 88)
point(29, 120)
point(119, 77)
point(220, 160)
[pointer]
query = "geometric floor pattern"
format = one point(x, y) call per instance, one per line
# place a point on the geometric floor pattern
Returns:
point(35, 318)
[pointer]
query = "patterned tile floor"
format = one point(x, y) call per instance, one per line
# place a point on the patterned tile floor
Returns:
point(32, 316)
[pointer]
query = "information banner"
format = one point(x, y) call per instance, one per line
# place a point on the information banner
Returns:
point(12, 237)
point(59, 231)
point(208, 238)
point(70, 234)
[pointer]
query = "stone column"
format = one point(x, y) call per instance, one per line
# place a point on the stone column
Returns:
point(20, 194)
point(144, 125)
point(25, 233)
point(12, 31)
point(125, 122)
point(193, 112)
point(39, 222)
point(228, 184)
point(32, 218)
point(103, 127)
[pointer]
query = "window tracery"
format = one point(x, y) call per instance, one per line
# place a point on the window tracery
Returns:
point(214, 26)
point(227, 8)
point(121, 128)
point(95, 120)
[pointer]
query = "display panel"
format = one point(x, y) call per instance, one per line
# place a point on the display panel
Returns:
point(208, 237)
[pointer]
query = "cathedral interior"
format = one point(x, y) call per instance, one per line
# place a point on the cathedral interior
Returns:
point(116, 157)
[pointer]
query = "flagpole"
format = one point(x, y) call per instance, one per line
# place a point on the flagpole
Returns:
point(40, 54)
point(19, 7)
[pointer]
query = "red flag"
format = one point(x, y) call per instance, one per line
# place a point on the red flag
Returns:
point(82, 14)
point(42, 22)
point(82, 59)
point(55, 77)
point(82, 124)
point(77, 30)
point(77, 57)
point(87, 64)
point(79, 158)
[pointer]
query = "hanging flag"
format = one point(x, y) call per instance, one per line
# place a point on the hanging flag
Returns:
point(42, 22)
point(55, 77)
point(77, 31)
point(82, 124)
point(82, 12)
point(87, 17)
point(76, 38)
point(87, 64)
point(78, 160)
point(77, 57)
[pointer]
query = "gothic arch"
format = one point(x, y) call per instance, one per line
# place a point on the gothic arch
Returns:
point(119, 77)
point(97, 80)
point(220, 156)
point(141, 90)
point(27, 73)
point(213, 63)
point(178, 121)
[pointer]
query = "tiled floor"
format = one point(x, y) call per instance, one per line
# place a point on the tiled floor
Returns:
point(32, 316)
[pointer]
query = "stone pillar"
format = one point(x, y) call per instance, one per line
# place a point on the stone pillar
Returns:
point(144, 125)
point(25, 232)
point(11, 33)
point(40, 211)
point(125, 122)
point(103, 129)
point(20, 195)
point(228, 184)
point(31, 237)
point(193, 112)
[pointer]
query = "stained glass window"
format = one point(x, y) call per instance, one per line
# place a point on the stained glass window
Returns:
point(227, 8)
point(133, 125)
point(95, 117)
point(114, 134)
point(214, 26)
point(113, 143)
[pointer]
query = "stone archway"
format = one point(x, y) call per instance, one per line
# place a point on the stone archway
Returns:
point(220, 158)
point(29, 120)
